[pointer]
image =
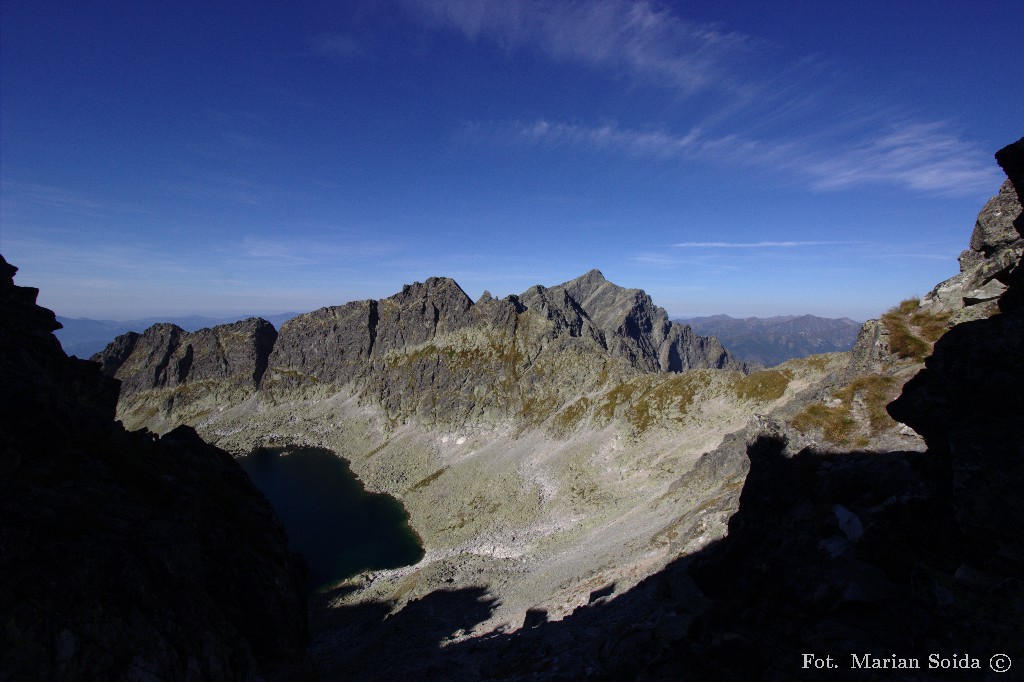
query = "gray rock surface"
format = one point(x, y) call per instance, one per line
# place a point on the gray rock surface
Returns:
point(635, 329)
point(167, 370)
point(995, 248)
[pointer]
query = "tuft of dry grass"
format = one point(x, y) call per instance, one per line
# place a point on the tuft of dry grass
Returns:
point(566, 420)
point(913, 331)
point(765, 386)
point(837, 423)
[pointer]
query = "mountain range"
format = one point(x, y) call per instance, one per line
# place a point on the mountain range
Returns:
point(772, 340)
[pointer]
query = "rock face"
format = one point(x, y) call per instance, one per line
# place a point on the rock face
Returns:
point(967, 403)
point(192, 373)
point(166, 356)
point(995, 248)
point(123, 556)
point(427, 351)
point(636, 329)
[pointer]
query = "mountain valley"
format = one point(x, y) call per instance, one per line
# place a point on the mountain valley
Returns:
point(593, 483)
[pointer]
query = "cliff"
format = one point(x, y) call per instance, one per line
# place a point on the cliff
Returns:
point(122, 555)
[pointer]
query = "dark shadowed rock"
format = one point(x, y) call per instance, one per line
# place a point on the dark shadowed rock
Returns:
point(123, 556)
point(968, 405)
point(166, 355)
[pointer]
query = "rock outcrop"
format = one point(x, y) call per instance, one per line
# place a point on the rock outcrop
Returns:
point(968, 405)
point(190, 373)
point(124, 556)
point(995, 249)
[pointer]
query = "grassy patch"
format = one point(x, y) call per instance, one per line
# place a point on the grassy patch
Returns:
point(644, 403)
point(536, 410)
point(566, 420)
point(764, 386)
point(930, 326)
point(876, 391)
point(836, 422)
point(620, 395)
point(818, 363)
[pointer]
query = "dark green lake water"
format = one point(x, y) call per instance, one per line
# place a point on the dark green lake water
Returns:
point(339, 527)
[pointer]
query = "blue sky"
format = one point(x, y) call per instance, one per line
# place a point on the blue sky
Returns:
point(748, 158)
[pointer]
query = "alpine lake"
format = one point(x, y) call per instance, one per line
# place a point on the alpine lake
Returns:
point(338, 527)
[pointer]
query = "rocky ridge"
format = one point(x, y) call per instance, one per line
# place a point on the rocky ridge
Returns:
point(455, 360)
point(124, 556)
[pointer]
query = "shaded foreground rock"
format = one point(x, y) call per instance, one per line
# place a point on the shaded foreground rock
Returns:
point(123, 556)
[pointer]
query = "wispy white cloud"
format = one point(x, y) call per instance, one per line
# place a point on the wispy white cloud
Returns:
point(63, 198)
point(921, 156)
point(754, 245)
point(836, 141)
point(657, 143)
point(637, 39)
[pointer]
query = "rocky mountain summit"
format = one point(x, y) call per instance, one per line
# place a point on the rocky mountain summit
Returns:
point(453, 359)
point(124, 556)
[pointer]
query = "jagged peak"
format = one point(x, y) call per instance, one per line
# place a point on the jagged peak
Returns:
point(587, 282)
point(446, 286)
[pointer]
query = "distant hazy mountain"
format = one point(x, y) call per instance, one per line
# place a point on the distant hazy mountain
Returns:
point(771, 340)
point(85, 337)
